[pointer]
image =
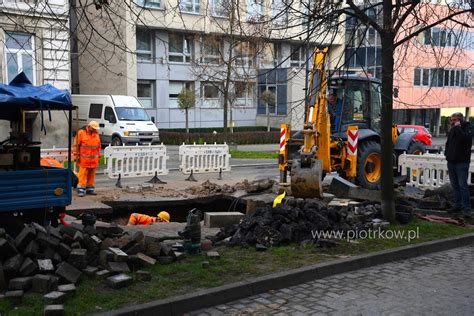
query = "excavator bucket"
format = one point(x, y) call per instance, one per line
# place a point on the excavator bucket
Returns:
point(306, 182)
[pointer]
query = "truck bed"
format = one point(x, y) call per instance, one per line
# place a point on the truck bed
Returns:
point(35, 189)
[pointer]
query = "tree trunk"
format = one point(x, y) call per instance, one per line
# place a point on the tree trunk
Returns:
point(229, 68)
point(268, 118)
point(231, 120)
point(187, 122)
point(388, 201)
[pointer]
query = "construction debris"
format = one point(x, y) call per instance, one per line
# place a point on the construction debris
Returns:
point(51, 261)
point(297, 221)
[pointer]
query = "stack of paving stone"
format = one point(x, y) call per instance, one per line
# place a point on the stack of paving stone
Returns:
point(297, 220)
point(52, 260)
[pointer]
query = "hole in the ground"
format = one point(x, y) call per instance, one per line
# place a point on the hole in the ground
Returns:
point(178, 209)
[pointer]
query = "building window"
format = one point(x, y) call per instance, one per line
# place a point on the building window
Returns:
point(210, 91)
point(438, 77)
point(279, 12)
point(254, 10)
point(417, 77)
point(448, 38)
point(425, 77)
point(211, 50)
point(275, 81)
point(154, 4)
point(192, 6)
point(145, 93)
point(211, 94)
point(244, 93)
point(244, 53)
point(219, 8)
point(298, 56)
point(180, 48)
point(144, 45)
point(175, 88)
point(19, 55)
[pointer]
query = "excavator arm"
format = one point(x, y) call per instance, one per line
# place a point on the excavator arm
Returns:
point(314, 155)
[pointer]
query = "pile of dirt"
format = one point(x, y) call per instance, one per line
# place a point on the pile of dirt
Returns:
point(298, 221)
point(210, 188)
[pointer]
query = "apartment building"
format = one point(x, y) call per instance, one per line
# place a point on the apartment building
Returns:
point(433, 73)
point(203, 46)
point(34, 38)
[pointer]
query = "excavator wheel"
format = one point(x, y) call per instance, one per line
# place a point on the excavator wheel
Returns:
point(306, 182)
point(369, 165)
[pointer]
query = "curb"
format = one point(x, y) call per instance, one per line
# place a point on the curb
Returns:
point(219, 295)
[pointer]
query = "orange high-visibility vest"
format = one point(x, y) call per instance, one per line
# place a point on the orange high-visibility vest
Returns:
point(87, 148)
point(141, 219)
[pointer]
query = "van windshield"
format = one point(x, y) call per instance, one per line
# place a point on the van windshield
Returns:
point(132, 114)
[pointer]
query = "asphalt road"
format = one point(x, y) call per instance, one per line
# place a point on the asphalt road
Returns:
point(240, 169)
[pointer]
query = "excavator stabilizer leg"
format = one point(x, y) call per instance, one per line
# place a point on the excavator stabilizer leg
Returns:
point(306, 182)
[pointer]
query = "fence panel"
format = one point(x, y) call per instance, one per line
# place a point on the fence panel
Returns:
point(204, 158)
point(135, 161)
point(428, 171)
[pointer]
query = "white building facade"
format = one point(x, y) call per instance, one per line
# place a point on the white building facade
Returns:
point(175, 45)
point(34, 38)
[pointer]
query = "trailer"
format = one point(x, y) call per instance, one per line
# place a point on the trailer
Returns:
point(29, 191)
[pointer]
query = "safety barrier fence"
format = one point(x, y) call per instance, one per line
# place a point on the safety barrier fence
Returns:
point(428, 171)
point(204, 159)
point(136, 161)
point(151, 160)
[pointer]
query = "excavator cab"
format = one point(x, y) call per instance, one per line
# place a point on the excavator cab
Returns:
point(358, 98)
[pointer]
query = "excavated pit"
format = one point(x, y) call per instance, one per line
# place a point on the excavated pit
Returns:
point(177, 208)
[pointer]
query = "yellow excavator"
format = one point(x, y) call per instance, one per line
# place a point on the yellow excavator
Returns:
point(343, 136)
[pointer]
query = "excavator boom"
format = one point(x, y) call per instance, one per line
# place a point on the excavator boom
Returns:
point(307, 169)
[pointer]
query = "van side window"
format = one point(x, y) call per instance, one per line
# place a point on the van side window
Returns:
point(108, 113)
point(95, 111)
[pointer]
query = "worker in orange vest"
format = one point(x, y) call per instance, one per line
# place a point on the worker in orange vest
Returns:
point(86, 151)
point(142, 219)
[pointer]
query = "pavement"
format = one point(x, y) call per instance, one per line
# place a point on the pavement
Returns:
point(435, 284)
point(250, 169)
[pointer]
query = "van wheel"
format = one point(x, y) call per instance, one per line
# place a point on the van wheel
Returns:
point(116, 141)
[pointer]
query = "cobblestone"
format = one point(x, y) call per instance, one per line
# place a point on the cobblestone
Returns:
point(435, 284)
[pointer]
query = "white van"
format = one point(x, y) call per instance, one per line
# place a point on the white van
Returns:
point(122, 119)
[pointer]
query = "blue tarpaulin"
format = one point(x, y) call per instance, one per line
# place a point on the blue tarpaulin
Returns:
point(20, 94)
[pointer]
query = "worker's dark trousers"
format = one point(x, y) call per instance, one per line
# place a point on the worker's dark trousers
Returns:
point(458, 173)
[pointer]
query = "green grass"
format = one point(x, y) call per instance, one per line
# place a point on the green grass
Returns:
point(253, 154)
point(235, 264)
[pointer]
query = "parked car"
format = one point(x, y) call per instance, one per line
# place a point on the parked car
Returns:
point(422, 133)
point(122, 119)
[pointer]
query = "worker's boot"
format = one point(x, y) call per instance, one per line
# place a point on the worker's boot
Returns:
point(81, 192)
point(90, 191)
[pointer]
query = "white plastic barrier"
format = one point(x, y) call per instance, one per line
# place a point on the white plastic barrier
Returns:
point(427, 171)
point(204, 159)
point(136, 161)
